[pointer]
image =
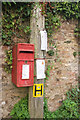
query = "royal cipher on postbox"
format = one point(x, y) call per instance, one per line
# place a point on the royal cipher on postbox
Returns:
point(23, 65)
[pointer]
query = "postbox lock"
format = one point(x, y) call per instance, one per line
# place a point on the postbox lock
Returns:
point(26, 61)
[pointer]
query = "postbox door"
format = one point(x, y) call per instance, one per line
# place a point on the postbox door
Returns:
point(25, 73)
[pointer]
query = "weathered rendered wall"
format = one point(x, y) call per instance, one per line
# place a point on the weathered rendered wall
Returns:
point(63, 75)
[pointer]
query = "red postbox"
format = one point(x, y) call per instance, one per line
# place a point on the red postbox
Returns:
point(23, 65)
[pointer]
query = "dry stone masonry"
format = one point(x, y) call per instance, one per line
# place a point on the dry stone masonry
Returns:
point(64, 74)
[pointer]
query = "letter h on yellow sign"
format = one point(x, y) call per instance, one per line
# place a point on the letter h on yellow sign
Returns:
point(38, 90)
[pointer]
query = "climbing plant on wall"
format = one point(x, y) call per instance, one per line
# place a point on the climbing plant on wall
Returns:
point(16, 14)
point(13, 25)
point(13, 19)
point(55, 11)
point(68, 10)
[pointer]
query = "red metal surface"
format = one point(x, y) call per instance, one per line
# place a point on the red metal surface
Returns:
point(39, 58)
point(23, 52)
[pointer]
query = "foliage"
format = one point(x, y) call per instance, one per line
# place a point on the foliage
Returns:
point(50, 52)
point(67, 41)
point(48, 71)
point(20, 110)
point(8, 61)
point(69, 108)
point(74, 54)
point(69, 10)
point(79, 53)
point(77, 31)
point(13, 21)
point(52, 22)
point(54, 50)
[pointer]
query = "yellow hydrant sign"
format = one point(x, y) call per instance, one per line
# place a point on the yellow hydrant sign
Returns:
point(38, 90)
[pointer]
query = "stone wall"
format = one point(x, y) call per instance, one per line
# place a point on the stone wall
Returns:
point(64, 73)
point(10, 93)
point(0, 80)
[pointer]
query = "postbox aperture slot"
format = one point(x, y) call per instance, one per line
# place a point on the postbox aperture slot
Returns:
point(25, 51)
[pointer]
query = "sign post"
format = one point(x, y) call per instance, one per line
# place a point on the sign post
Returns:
point(36, 103)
